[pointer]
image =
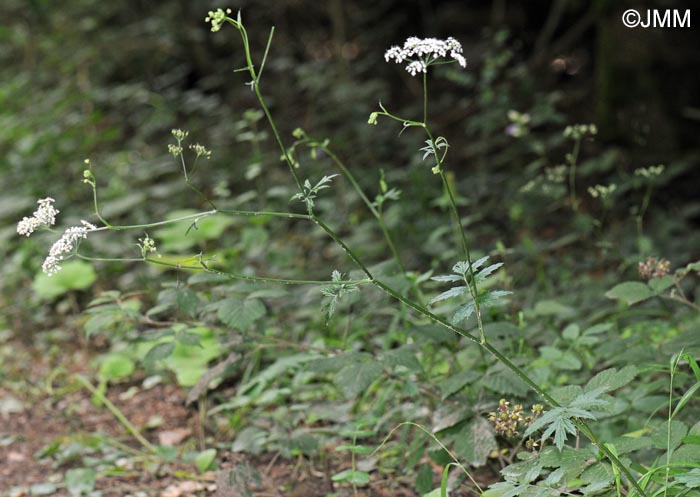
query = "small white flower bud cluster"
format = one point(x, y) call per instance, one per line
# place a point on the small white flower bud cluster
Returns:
point(200, 150)
point(65, 245)
point(44, 216)
point(217, 18)
point(422, 52)
point(602, 191)
point(650, 172)
point(578, 131)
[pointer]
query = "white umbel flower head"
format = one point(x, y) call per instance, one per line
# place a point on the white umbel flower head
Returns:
point(44, 216)
point(423, 52)
point(65, 246)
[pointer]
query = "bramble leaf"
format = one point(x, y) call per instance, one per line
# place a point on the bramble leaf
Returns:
point(630, 292)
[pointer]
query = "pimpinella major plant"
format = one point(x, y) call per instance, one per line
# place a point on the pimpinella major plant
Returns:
point(560, 419)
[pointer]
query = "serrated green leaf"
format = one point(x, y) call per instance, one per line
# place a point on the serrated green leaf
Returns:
point(572, 462)
point(625, 444)
point(630, 292)
point(597, 476)
point(612, 379)
point(487, 271)
point(455, 291)
point(658, 285)
point(159, 351)
point(403, 356)
point(504, 382)
point(691, 479)
point(447, 278)
point(463, 312)
point(80, 481)
point(678, 431)
point(356, 378)
point(457, 381)
point(240, 313)
point(187, 301)
point(475, 442)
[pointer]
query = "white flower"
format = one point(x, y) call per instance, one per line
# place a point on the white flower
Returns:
point(45, 216)
point(422, 53)
point(64, 246)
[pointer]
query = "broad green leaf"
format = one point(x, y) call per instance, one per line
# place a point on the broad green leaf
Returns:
point(630, 292)
point(475, 442)
point(240, 313)
point(597, 476)
point(691, 479)
point(204, 460)
point(403, 356)
point(159, 351)
point(571, 461)
point(356, 378)
point(74, 275)
point(350, 476)
point(504, 382)
point(612, 379)
point(553, 308)
point(686, 454)
point(457, 381)
point(103, 321)
point(187, 301)
point(80, 481)
point(249, 439)
point(303, 443)
point(661, 439)
point(571, 332)
point(625, 444)
point(424, 479)
point(116, 366)
point(658, 285)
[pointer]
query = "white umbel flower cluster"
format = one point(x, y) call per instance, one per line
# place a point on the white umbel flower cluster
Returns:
point(44, 216)
point(64, 246)
point(423, 52)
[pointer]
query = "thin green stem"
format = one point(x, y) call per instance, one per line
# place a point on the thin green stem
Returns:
point(435, 439)
point(117, 414)
point(95, 203)
point(640, 217)
point(473, 289)
point(202, 266)
point(190, 185)
point(572, 175)
point(425, 98)
point(375, 212)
